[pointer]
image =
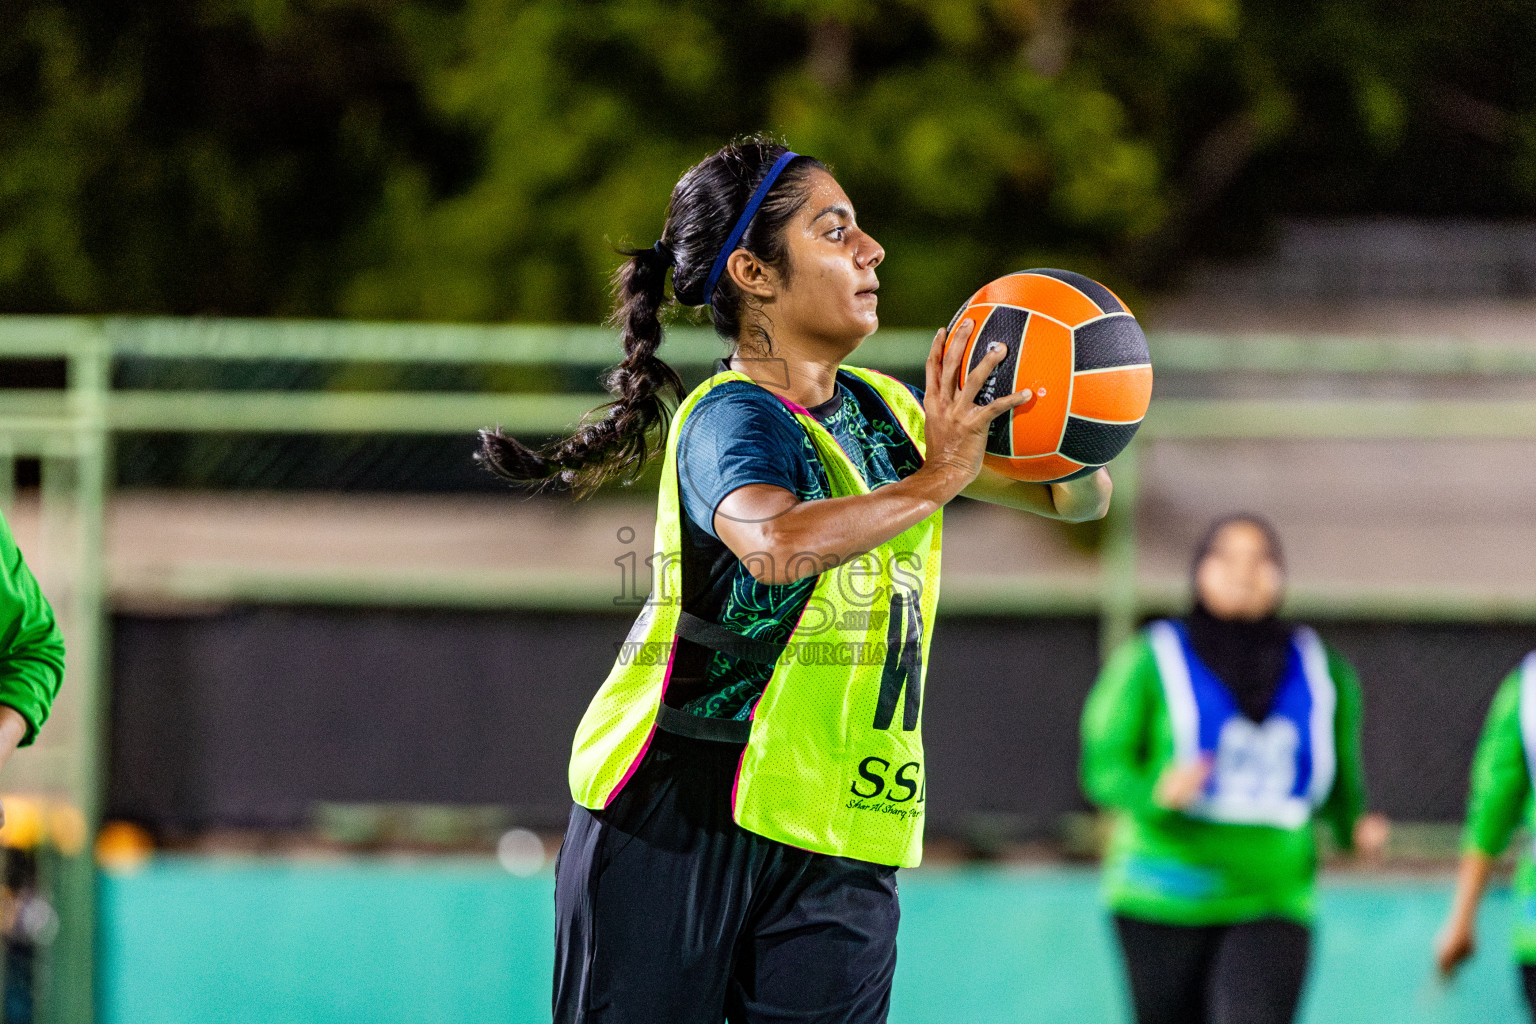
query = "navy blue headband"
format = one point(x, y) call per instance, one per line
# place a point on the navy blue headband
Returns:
point(743, 222)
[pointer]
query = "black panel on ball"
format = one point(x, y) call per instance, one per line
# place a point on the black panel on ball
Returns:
point(1110, 342)
point(1095, 443)
point(1006, 325)
point(1078, 475)
point(1101, 296)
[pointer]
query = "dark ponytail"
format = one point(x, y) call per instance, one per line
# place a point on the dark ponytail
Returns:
point(618, 442)
point(705, 205)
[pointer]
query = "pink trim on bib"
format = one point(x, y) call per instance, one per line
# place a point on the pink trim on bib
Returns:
point(792, 406)
point(635, 764)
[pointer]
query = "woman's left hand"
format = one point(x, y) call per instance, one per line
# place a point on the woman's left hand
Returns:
point(1371, 834)
point(1075, 501)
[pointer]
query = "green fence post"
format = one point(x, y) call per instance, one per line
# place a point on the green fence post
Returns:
point(1118, 609)
point(69, 989)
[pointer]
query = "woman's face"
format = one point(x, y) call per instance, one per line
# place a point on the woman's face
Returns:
point(1238, 578)
point(830, 293)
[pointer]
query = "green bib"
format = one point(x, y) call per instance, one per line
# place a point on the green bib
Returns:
point(1524, 926)
point(834, 762)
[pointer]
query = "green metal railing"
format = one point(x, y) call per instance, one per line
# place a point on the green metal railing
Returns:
point(70, 441)
point(70, 432)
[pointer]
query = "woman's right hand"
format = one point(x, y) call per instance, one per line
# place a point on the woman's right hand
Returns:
point(954, 425)
point(782, 538)
point(1458, 939)
point(1180, 785)
point(1455, 945)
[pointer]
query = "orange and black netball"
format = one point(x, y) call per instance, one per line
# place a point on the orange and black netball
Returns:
point(1076, 347)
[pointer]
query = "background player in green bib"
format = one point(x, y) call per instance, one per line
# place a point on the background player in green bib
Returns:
point(31, 651)
point(750, 775)
point(1500, 802)
point(1216, 740)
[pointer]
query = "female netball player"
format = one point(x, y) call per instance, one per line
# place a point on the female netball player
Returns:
point(750, 775)
point(1216, 740)
point(1500, 801)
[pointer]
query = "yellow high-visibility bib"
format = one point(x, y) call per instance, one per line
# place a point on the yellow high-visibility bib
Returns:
point(834, 762)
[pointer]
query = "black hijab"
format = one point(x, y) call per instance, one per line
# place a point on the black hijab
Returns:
point(1249, 657)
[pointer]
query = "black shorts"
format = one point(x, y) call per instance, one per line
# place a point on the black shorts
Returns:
point(667, 911)
point(1249, 973)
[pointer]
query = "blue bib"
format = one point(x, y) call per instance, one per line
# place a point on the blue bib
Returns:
point(1276, 772)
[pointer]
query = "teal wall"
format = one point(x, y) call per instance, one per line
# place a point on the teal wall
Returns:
point(382, 941)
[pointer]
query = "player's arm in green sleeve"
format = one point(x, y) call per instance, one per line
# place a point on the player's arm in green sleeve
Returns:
point(1500, 778)
point(1501, 782)
point(31, 647)
point(1115, 769)
point(1346, 802)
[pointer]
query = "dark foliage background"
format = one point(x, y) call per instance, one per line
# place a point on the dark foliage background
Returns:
point(476, 160)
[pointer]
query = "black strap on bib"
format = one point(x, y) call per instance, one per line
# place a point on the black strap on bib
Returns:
point(696, 727)
point(717, 638)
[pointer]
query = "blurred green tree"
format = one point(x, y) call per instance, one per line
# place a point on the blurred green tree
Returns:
point(477, 159)
point(199, 156)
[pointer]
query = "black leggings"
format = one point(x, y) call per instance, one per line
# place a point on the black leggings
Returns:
point(1248, 973)
point(668, 912)
point(1528, 982)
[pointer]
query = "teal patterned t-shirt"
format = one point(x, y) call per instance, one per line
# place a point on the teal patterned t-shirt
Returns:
point(740, 434)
